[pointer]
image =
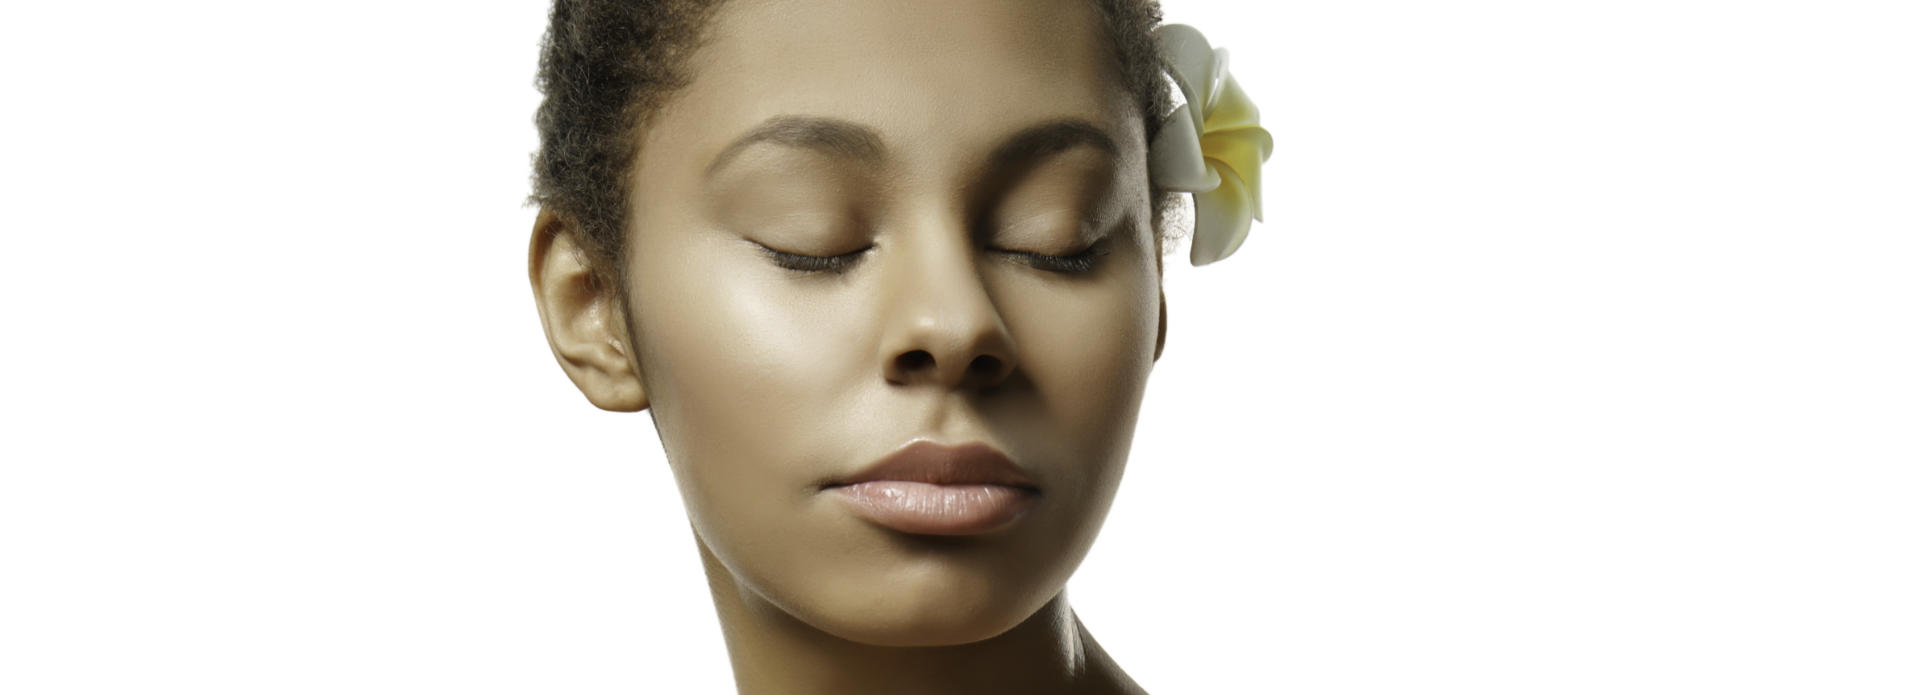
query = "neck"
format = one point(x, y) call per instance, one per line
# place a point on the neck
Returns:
point(773, 652)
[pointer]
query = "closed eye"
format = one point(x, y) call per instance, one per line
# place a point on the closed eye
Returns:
point(1075, 264)
point(808, 265)
point(1079, 263)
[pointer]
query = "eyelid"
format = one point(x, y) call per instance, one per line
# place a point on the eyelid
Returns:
point(1077, 263)
point(807, 265)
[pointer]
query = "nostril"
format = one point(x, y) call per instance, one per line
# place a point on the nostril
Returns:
point(984, 367)
point(915, 361)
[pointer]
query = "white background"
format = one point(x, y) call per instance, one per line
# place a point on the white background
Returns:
point(1575, 355)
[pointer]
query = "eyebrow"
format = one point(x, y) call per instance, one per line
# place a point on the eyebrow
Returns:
point(1047, 139)
point(854, 141)
point(827, 135)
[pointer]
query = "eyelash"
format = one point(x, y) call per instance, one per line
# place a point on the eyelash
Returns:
point(808, 265)
point(1076, 264)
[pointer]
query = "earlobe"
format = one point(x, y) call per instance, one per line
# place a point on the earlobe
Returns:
point(581, 318)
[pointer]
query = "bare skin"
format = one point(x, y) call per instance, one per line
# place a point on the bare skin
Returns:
point(949, 156)
point(1049, 653)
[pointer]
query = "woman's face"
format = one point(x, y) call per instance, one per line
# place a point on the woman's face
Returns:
point(938, 150)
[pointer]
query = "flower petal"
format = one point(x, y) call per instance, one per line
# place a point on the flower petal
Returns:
point(1221, 219)
point(1174, 160)
point(1241, 152)
point(1218, 75)
point(1192, 60)
point(1231, 108)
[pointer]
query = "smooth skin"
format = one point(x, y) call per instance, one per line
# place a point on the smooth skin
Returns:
point(945, 155)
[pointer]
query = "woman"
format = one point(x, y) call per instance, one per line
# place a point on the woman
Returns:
point(886, 276)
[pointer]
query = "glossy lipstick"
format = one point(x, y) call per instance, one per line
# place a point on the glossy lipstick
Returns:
point(931, 489)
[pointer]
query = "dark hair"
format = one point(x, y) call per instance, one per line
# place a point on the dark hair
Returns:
point(606, 66)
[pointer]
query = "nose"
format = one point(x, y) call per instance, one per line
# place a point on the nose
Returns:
point(943, 327)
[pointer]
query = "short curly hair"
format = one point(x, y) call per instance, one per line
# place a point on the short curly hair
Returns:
point(607, 66)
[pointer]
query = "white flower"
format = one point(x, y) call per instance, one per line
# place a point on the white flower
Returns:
point(1212, 146)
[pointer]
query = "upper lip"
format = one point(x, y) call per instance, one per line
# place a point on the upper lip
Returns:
point(924, 461)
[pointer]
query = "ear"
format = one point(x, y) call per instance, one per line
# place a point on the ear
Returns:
point(1160, 343)
point(584, 322)
point(1160, 275)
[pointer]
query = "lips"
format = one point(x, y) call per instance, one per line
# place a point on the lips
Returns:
point(934, 489)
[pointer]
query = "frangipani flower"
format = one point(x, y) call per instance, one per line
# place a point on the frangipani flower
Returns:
point(1212, 146)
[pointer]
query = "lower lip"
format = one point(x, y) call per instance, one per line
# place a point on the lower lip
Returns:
point(937, 510)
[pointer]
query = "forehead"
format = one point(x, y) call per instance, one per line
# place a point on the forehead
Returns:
point(933, 77)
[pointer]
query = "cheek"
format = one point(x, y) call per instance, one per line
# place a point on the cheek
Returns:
point(1089, 354)
point(745, 375)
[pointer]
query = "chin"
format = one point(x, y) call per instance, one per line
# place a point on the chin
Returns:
point(924, 626)
point(931, 604)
